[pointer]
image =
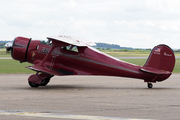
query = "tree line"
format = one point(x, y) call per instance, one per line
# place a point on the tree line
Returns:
point(2, 43)
point(110, 46)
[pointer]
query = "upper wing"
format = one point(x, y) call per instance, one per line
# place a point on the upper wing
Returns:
point(72, 41)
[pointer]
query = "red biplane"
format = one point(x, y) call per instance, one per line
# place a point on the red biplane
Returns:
point(65, 55)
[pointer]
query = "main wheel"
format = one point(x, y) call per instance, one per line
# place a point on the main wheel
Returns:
point(45, 82)
point(150, 85)
point(33, 84)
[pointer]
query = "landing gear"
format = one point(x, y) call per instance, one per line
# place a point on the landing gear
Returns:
point(39, 79)
point(33, 84)
point(45, 81)
point(150, 85)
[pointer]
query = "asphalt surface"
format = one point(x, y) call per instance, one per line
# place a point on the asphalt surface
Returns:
point(87, 97)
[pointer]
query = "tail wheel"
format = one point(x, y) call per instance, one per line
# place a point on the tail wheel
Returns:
point(150, 85)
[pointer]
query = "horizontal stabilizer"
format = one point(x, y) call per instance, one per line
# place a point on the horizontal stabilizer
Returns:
point(154, 71)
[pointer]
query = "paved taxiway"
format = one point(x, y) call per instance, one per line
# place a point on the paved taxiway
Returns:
point(86, 97)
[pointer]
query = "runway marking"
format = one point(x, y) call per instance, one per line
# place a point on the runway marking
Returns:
point(64, 116)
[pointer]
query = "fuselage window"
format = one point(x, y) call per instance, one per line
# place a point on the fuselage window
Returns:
point(70, 48)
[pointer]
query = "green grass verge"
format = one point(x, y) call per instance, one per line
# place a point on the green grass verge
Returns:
point(132, 54)
point(141, 62)
point(10, 66)
point(177, 66)
point(3, 53)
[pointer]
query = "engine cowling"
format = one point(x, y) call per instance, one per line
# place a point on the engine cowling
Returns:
point(20, 48)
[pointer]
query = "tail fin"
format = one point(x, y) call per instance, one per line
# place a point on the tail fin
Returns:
point(161, 58)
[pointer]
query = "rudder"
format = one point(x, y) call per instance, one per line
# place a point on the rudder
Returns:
point(162, 58)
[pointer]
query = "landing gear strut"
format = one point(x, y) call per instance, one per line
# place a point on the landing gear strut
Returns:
point(150, 85)
point(39, 79)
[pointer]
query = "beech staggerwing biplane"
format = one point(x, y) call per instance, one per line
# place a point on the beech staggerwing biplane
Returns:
point(65, 55)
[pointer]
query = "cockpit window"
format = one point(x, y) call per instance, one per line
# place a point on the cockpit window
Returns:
point(46, 42)
point(70, 48)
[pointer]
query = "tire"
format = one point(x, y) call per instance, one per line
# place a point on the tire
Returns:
point(150, 85)
point(45, 82)
point(33, 84)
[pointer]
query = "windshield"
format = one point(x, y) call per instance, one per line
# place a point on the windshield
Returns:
point(46, 42)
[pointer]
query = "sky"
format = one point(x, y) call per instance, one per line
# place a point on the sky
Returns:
point(128, 23)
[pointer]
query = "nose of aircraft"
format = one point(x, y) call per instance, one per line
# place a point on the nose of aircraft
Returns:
point(20, 48)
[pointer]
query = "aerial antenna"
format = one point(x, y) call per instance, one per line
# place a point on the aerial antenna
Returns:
point(63, 30)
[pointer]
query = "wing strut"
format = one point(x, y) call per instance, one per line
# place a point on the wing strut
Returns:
point(49, 53)
point(40, 67)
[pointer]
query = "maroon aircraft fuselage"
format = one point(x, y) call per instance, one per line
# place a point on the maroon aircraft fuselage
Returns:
point(61, 58)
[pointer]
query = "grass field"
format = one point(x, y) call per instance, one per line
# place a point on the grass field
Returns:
point(133, 54)
point(10, 66)
point(3, 53)
point(141, 62)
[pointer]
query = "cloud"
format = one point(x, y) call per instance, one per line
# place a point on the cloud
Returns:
point(134, 23)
